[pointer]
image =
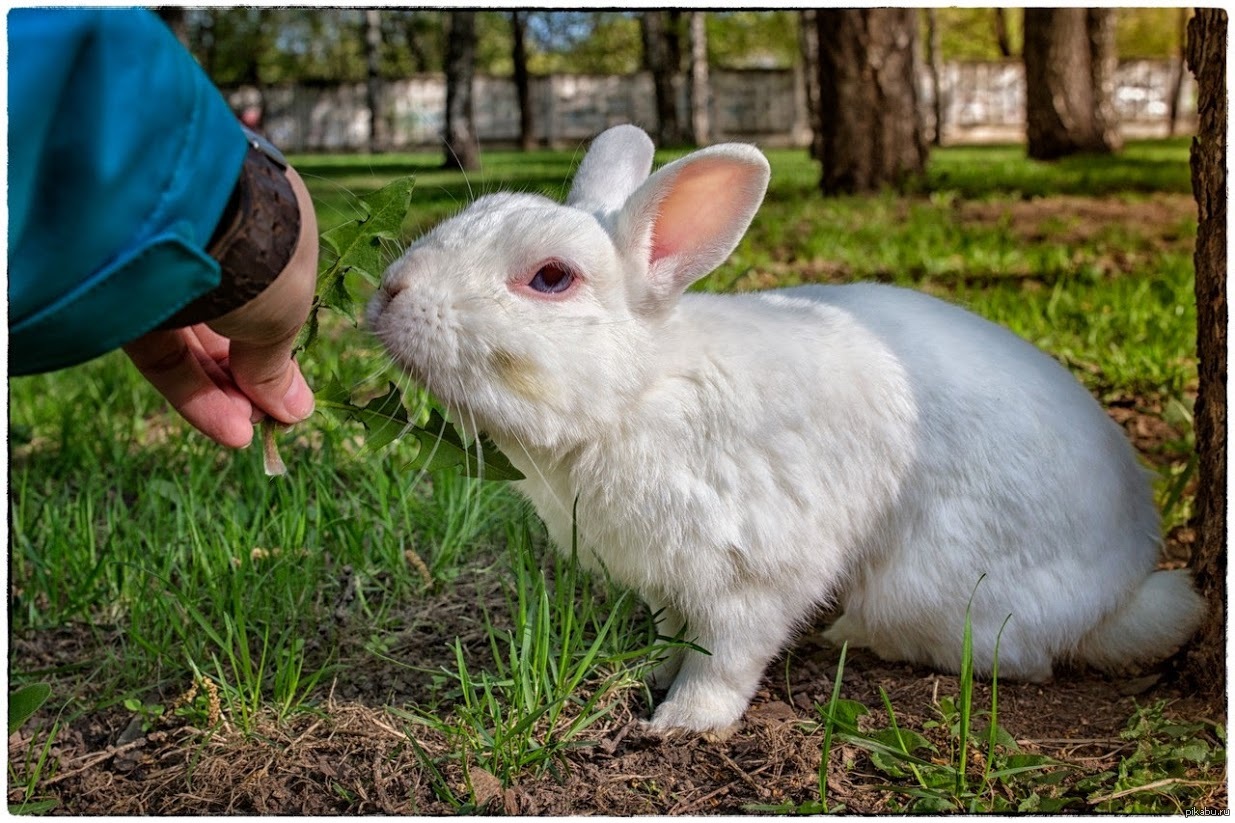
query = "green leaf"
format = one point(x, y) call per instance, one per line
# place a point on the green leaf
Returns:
point(870, 745)
point(356, 247)
point(440, 446)
point(24, 702)
point(34, 806)
point(357, 244)
point(844, 713)
point(492, 465)
point(1195, 750)
point(384, 417)
point(906, 740)
point(334, 393)
point(333, 293)
point(308, 332)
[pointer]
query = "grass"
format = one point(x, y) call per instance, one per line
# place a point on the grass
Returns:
point(551, 676)
point(179, 562)
point(947, 767)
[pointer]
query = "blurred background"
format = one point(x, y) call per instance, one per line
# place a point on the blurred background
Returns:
point(356, 79)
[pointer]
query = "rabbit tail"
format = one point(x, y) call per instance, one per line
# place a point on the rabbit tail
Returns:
point(1158, 618)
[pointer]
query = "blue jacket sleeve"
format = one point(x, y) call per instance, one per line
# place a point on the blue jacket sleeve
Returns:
point(122, 157)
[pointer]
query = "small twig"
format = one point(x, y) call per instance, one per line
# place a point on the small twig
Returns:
point(687, 805)
point(746, 778)
point(303, 735)
point(97, 758)
point(610, 746)
point(390, 730)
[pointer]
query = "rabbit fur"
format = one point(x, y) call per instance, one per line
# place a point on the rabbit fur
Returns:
point(742, 460)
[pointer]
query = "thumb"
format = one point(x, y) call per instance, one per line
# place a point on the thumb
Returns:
point(271, 380)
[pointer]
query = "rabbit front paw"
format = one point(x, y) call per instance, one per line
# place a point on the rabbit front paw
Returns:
point(715, 711)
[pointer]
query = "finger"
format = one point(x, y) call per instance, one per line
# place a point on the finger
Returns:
point(179, 368)
point(263, 331)
point(271, 379)
point(216, 363)
point(214, 344)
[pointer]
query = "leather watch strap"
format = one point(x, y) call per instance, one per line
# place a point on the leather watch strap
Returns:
point(254, 239)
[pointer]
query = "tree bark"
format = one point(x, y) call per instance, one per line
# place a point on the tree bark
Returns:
point(373, 80)
point(871, 129)
point(933, 61)
point(1002, 41)
point(1070, 64)
point(413, 26)
point(661, 58)
point(700, 88)
point(1177, 78)
point(462, 150)
point(1206, 55)
point(523, 80)
point(808, 42)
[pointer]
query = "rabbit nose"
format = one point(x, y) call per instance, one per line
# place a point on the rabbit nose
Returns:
point(392, 288)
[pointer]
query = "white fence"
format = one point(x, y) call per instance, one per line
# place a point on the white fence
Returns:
point(981, 102)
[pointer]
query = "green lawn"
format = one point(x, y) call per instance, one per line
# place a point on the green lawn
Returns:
point(163, 558)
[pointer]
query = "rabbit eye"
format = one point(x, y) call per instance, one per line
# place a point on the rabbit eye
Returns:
point(551, 278)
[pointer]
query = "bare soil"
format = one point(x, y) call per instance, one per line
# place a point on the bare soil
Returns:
point(355, 757)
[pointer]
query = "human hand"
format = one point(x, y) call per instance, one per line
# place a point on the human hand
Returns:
point(225, 375)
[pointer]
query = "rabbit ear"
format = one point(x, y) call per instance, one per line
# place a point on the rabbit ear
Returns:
point(617, 162)
point(689, 216)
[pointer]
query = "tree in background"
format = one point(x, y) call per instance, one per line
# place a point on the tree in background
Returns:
point(1206, 53)
point(1177, 81)
point(378, 140)
point(233, 44)
point(585, 42)
point(523, 81)
point(462, 146)
point(662, 56)
point(700, 88)
point(423, 39)
point(753, 39)
point(870, 125)
point(1070, 64)
point(1003, 39)
point(934, 69)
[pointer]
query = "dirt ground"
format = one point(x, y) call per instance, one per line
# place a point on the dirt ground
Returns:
point(356, 758)
point(353, 754)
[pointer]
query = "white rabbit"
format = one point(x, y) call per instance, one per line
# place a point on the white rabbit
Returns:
point(742, 460)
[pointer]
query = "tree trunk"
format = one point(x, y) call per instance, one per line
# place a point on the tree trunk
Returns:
point(700, 88)
point(659, 59)
point(1206, 54)
point(416, 48)
point(871, 130)
point(933, 60)
point(523, 81)
point(373, 80)
point(808, 41)
point(1177, 78)
point(1069, 82)
point(1002, 40)
point(462, 150)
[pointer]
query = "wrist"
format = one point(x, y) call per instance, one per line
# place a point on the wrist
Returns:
point(255, 238)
